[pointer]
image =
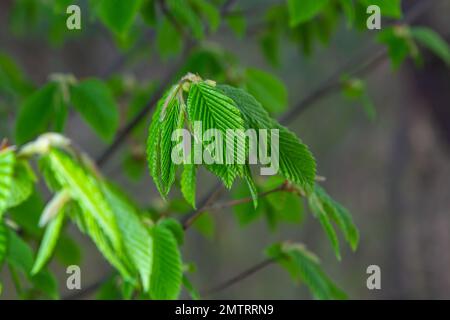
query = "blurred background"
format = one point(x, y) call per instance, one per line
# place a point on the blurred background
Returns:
point(392, 172)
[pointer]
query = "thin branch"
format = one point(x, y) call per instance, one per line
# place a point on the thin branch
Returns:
point(238, 278)
point(231, 203)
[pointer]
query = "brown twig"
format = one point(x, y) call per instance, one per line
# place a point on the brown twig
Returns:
point(231, 203)
point(238, 278)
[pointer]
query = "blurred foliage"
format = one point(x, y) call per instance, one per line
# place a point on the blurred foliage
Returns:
point(143, 243)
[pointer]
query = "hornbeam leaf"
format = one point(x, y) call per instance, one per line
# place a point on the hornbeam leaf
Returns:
point(138, 242)
point(48, 242)
point(433, 41)
point(3, 242)
point(7, 161)
point(22, 186)
point(188, 183)
point(167, 118)
point(166, 278)
point(217, 111)
point(337, 213)
point(304, 266)
point(96, 104)
point(303, 10)
point(118, 15)
point(296, 162)
point(84, 188)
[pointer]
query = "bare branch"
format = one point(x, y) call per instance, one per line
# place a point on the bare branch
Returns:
point(238, 278)
point(232, 203)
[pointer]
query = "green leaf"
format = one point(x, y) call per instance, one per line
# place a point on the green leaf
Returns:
point(166, 278)
point(237, 23)
point(148, 12)
point(67, 251)
point(188, 179)
point(137, 240)
point(186, 16)
point(27, 214)
point(167, 118)
point(356, 89)
point(210, 12)
point(7, 161)
point(304, 266)
point(389, 8)
point(84, 188)
point(19, 254)
point(296, 163)
point(48, 242)
point(193, 292)
point(327, 210)
point(22, 185)
point(35, 113)
point(118, 15)
point(109, 290)
point(433, 41)
point(168, 40)
point(3, 242)
point(246, 213)
point(267, 89)
point(175, 227)
point(303, 10)
point(95, 102)
point(217, 111)
point(205, 225)
point(400, 44)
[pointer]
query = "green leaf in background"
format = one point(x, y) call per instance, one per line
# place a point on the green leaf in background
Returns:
point(210, 12)
point(96, 104)
point(389, 8)
point(67, 251)
point(304, 266)
point(7, 162)
point(166, 278)
point(237, 23)
point(433, 41)
point(148, 12)
point(118, 15)
point(348, 8)
point(328, 210)
point(356, 89)
point(22, 186)
point(188, 183)
point(3, 243)
point(12, 79)
point(19, 253)
point(193, 292)
point(267, 89)
point(270, 46)
point(168, 40)
point(35, 113)
point(109, 290)
point(400, 44)
point(205, 225)
point(48, 242)
point(27, 214)
point(303, 10)
point(186, 16)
